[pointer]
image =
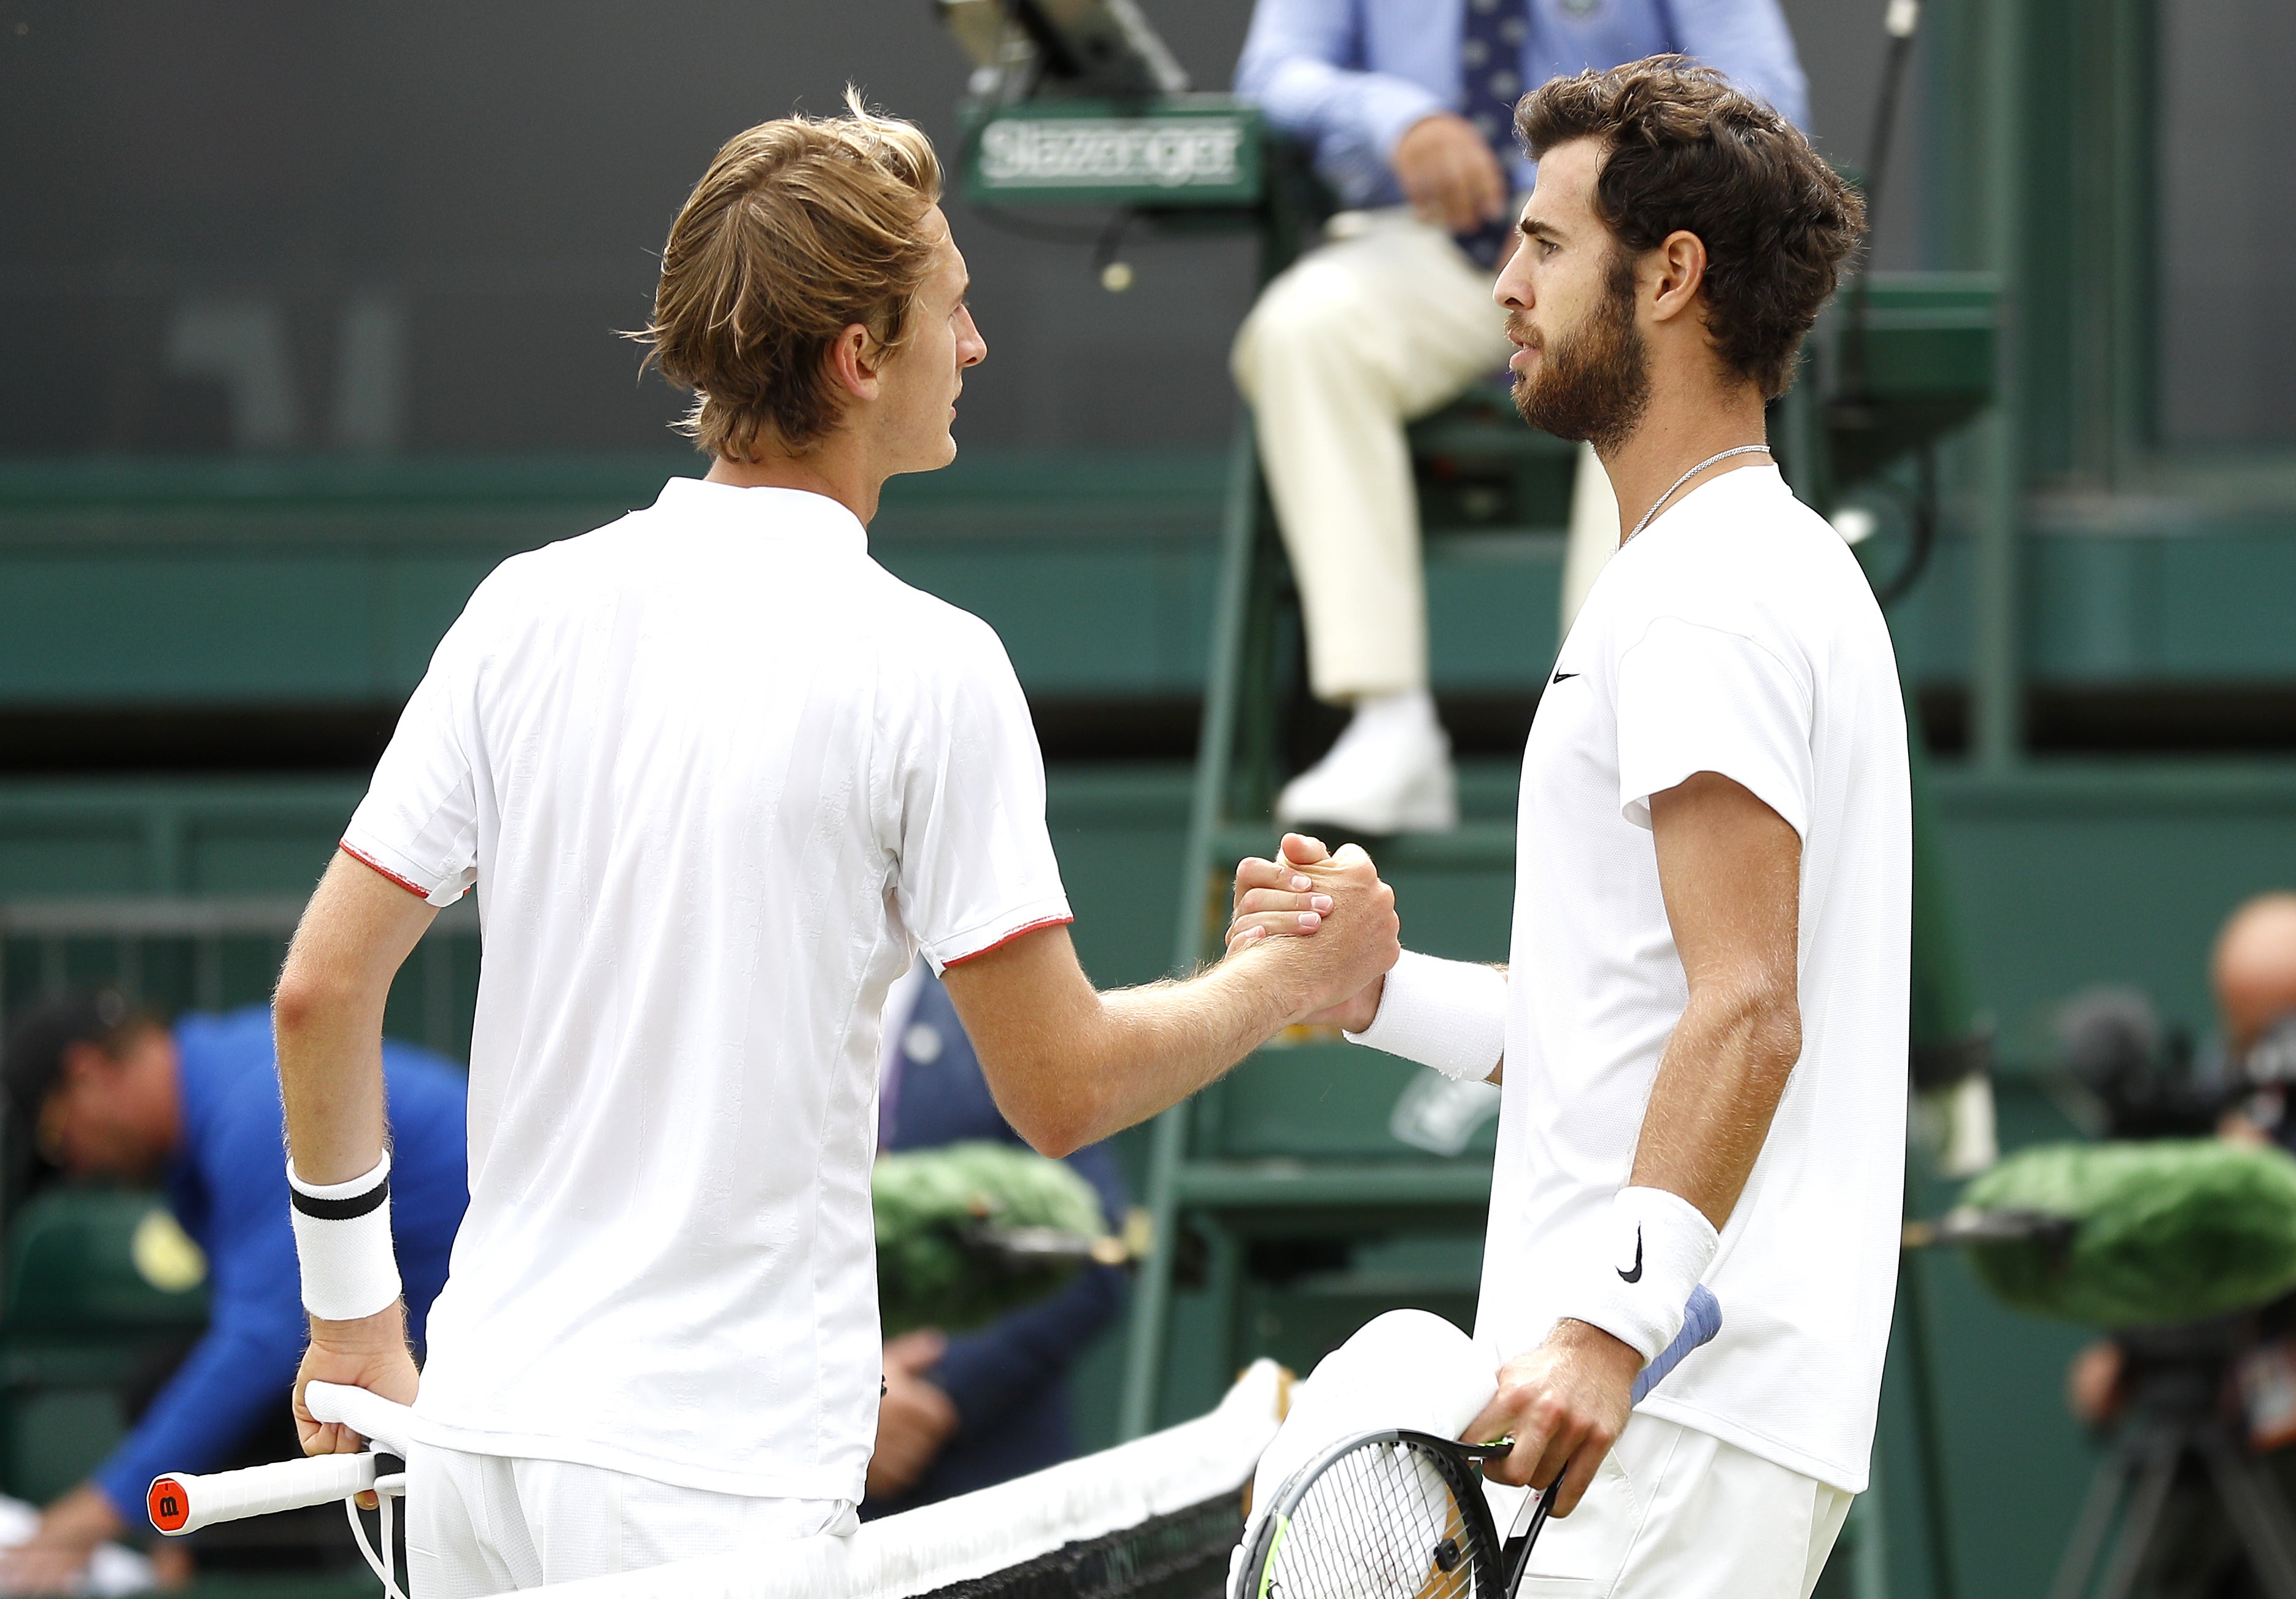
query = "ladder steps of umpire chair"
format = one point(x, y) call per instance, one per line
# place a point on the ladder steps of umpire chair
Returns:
point(1295, 1142)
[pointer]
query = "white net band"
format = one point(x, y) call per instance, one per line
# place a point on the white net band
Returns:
point(973, 1537)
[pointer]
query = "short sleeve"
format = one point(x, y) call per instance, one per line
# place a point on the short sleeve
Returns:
point(976, 867)
point(419, 823)
point(1695, 699)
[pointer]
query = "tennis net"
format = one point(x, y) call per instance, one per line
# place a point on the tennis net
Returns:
point(1153, 1519)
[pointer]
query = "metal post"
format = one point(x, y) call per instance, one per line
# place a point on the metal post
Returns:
point(127, 966)
point(1996, 666)
point(1152, 1289)
point(1869, 1547)
point(1928, 1442)
point(207, 971)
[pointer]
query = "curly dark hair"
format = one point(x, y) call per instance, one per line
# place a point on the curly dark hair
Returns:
point(1684, 151)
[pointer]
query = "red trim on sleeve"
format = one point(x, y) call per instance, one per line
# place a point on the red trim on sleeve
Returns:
point(373, 864)
point(1017, 932)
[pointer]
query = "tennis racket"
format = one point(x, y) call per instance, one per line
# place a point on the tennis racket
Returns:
point(181, 1503)
point(1398, 1515)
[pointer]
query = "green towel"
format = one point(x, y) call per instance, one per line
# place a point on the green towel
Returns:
point(2169, 1230)
point(931, 1207)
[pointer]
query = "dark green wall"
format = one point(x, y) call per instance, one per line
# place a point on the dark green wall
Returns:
point(286, 583)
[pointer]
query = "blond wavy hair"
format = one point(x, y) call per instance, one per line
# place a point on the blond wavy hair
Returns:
point(801, 228)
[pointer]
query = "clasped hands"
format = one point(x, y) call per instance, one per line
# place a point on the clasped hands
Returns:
point(1295, 895)
point(1563, 1403)
point(1309, 890)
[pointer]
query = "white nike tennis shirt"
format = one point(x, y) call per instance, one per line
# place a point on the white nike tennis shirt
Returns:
point(1735, 635)
point(716, 775)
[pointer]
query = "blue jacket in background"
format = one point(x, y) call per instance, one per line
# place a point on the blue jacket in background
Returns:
point(226, 1184)
point(1348, 77)
point(1009, 1379)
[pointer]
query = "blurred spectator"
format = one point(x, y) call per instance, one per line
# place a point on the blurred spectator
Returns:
point(969, 1409)
point(112, 1095)
point(2253, 970)
point(1409, 110)
point(2253, 975)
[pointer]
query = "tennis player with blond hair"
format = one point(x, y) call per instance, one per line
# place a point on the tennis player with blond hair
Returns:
point(716, 775)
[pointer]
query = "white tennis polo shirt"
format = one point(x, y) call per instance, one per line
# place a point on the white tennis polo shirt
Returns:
point(716, 775)
point(1736, 635)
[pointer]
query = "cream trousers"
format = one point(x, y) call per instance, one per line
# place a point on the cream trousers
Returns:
point(1382, 324)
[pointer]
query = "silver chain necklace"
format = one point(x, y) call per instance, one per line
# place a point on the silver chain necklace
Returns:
point(1743, 449)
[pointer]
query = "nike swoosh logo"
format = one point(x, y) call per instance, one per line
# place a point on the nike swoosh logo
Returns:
point(1634, 1275)
point(1561, 677)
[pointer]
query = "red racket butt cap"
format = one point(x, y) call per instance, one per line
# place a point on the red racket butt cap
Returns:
point(169, 1505)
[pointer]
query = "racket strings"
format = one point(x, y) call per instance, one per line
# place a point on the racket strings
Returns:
point(1384, 1521)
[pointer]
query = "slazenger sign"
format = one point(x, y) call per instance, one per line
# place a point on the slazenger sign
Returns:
point(1168, 154)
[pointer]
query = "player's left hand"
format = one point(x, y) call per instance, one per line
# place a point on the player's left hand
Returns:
point(1564, 1404)
point(369, 1353)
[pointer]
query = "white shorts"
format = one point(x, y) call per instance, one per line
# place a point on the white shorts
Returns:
point(479, 1524)
point(1679, 1514)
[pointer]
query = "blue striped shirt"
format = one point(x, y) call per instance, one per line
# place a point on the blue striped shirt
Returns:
point(1348, 77)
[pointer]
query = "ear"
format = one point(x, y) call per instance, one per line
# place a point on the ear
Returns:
point(82, 1060)
point(1673, 273)
point(855, 362)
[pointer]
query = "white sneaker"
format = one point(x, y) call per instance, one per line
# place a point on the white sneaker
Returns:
point(1390, 772)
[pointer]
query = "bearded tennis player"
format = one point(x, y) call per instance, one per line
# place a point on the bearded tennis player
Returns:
point(1702, 1022)
point(716, 777)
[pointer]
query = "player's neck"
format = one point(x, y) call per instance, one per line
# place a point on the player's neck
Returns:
point(835, 468)
point(1693, 414)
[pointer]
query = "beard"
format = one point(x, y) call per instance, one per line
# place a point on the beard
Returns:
point(1592, 384)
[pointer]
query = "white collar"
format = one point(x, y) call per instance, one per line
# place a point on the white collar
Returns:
point(784, 513)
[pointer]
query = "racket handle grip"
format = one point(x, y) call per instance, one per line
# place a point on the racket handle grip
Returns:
point(181, 1503)
point(385, 1422)
point(1702, 1319)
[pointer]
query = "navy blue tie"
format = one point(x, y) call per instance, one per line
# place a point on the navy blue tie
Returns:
point(1490, 71)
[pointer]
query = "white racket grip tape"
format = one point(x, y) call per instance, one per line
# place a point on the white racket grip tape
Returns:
point(181, 1503)
point(385, 1422)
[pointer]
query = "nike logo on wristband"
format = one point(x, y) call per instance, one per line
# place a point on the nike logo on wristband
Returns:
point(1561, 677)
point(1634, 1275)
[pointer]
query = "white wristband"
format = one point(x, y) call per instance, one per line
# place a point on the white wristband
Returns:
point(1653, 1247)
point(342, 1237)
point(1447, 1015)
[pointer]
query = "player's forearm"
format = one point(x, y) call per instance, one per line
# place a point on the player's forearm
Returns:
point(1718, 1086)
point(327, 1016)
point(329, 1039)
point(1068, 1066)
point(1153, 1046)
